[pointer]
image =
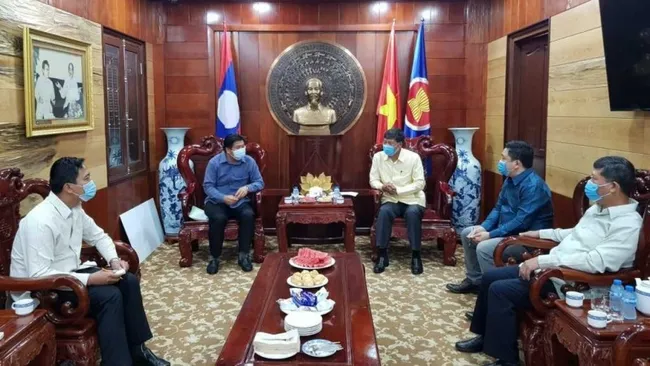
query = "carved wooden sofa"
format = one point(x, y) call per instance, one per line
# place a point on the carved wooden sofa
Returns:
point(533, 322)
point(193, 231)
point(76, 338)
point(436, 222)
point(632, 347)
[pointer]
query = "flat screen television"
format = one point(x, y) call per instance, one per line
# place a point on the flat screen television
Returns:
point(626, 35)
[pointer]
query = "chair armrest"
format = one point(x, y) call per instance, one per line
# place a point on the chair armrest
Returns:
point(543, 244)
point(124, 251)
point(376, 199)
point(445, 200)
point(630, 340)
point(571, 275)
point(184, 196)
point(258, 203)
point(128, 254)
point(44, 287)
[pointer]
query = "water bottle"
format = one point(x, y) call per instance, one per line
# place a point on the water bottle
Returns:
point(295, 195)
point(629, 303)
point(615, 300)
point(336, 195)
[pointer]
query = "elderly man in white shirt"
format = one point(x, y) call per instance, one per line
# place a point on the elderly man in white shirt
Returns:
point(604, 240)
point(399, 174)
point(48, 242)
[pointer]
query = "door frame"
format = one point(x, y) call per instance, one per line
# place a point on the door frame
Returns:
point(512, 92)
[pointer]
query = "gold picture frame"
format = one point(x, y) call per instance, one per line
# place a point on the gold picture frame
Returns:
point(62, 102)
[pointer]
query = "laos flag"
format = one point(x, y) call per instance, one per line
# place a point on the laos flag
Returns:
point(416, 121)
point(228, 105)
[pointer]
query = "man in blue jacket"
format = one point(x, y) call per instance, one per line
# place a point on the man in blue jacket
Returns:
point(229, 178)
point(524, 204)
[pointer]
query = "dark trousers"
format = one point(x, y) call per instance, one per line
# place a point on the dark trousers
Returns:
point(501, 295)
point(387, 214)
point(121, 321)
point(218, 216)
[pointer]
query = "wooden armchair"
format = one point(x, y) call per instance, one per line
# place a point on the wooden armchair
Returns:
point(192, 231)
point(632, 347)
point(76, 337)
point(533, 322)
point(436, 222)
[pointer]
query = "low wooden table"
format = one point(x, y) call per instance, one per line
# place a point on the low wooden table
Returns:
point(315, 213)
point(349, 323)
point(567, 331)
point(28, 340)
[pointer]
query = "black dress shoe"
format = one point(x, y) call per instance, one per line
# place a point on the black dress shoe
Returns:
point(213, 266)
point(381, 265)
point(469, 315)
point(143, 356)
point(473, 345)
point(244, 262)
point(465, 287)
point(502, 363)
point(416, 266)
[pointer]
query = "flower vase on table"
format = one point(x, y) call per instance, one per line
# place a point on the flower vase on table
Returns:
point(171, 182)
point(466, 181)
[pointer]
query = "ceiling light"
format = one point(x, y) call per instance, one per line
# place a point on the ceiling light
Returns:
point(380, 6)
point(212, 17)
point(261, 7)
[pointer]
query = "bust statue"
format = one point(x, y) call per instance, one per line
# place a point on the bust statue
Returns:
point(314, 118)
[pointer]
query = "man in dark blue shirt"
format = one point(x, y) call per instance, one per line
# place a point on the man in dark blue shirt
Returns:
point(524, 204)
point(229, 178)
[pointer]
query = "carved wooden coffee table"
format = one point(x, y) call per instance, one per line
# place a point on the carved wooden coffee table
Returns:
point(315, 213)
point(567, 331)
point(350, 322)
point(28, 340)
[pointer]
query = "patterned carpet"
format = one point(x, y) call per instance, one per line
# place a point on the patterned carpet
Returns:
point(416, 320)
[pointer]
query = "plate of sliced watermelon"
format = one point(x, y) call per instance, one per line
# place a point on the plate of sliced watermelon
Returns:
point(311, 259)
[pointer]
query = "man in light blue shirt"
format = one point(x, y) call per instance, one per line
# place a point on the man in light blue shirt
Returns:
point(229, 178)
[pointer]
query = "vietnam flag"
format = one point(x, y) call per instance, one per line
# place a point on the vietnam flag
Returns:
point(388, 111)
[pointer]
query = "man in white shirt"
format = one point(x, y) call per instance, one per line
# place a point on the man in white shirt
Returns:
point(604, 240)
point(399, 174)
point(48, 242)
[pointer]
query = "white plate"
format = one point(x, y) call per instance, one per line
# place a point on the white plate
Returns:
point(302, 286)
point(274, 356)
point(306, 349)
point(321, 313)
point(296, 265)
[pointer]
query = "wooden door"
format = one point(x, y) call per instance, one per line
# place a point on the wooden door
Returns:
point(126, 124)
point(527, 90)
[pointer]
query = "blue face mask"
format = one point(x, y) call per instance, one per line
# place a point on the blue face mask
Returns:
point(389, 150)
point(239, 153)
point(90, 189)
point(591, 191)
point(503, 168)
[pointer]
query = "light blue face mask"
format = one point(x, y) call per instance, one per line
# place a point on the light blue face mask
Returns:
point(591, 191)
point(503, 168)
point(389, 150)
point(239, 153)
point(90, 189)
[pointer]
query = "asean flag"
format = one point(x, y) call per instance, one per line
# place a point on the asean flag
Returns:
point(228, 104)
point(418, 109)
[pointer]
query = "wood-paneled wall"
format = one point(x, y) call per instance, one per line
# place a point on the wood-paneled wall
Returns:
point(79, 19)
point(192, 56)
point(508, 16)
point(581, 128)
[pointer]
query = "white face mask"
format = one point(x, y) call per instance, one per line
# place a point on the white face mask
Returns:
point(239, 154)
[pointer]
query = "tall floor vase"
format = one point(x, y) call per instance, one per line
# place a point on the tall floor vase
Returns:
point(466, 181)
point(171, 182)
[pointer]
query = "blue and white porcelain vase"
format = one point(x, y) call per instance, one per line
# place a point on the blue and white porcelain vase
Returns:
point(171, 182)
point(466, 181)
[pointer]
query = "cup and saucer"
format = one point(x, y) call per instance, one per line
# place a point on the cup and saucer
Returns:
point(24, 307)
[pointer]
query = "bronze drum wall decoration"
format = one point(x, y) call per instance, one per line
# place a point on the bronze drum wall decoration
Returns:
point(316, 88)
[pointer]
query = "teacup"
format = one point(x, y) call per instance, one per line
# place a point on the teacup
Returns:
point(575, 299)
point(597, 318)
point(24, 306)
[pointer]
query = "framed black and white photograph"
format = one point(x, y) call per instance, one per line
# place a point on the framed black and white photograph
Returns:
point(58, 83)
